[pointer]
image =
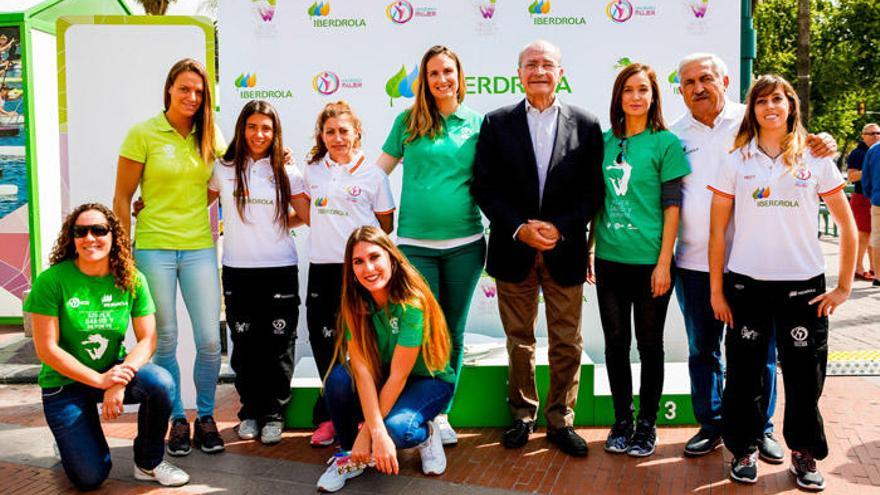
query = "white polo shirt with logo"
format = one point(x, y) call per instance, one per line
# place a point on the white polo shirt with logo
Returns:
point(776, 212)
point(706, 149)
point(341, 199)
point(259, 241)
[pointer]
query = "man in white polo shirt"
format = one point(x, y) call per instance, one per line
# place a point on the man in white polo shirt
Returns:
point(707, 132)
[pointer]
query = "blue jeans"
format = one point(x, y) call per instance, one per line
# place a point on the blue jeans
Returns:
point(199, 278)
point(72, 415)
point(704, 353)
point(407, 422)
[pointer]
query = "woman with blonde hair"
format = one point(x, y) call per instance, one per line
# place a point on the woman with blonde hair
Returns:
point(437, 139)
point(171, 157)
point(392, 363)
point(772, 185)
point(341, 191)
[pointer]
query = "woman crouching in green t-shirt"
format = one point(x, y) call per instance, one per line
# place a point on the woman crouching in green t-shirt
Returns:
point(394, 371)
point(635, 233)
point(81, 309)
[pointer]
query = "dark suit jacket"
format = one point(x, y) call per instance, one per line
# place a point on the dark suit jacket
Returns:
point(505, 187)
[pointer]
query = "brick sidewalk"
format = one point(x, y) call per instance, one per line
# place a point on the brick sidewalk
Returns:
point(850, 404)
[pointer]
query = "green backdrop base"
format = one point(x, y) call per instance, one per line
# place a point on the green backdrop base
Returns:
point(481, 399)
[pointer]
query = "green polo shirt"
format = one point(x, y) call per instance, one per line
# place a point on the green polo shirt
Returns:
point(630, 226)
point(93, 316)
point(402, 325)
point(436, 202)
point(174, 186)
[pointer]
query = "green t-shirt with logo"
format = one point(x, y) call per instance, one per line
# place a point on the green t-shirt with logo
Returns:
point(436, 201)
point(174, 186)
point(93, 316)
point(403, 325)
point(629, 229)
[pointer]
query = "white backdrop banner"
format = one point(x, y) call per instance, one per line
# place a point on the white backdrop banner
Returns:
point(300, 55)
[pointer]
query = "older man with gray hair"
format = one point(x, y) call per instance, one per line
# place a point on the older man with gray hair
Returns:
point(538, 178)
point(707, 132)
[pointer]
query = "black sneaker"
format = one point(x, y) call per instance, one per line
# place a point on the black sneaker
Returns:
point(644, 440)
point(702, 443)
point(803, 466)
point(619, 437)
point(178, 439)
point(745, 469)
point(769, 449)
point(206, 436)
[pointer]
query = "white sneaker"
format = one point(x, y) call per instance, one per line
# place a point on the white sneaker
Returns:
point(339, 471)
point(447, 434)
point(247, 429)
point(166, 474)
point(431, 452)
point(271, 432)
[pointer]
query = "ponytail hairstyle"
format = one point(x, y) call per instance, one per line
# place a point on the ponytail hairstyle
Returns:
point(794, 142)
point(406, 286)
point(331, 110)
point(237, 155)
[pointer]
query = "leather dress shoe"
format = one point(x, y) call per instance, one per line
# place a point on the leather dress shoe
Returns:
point(769, 449)
point(702, 443)
point(568, 441)
point(518, 434)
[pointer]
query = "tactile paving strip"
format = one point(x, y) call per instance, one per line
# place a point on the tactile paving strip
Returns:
point(857, 363)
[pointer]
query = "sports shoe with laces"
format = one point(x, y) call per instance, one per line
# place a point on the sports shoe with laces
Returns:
point(803, 467)
point(166, 474)
point(431, 452)
point(247, 429)
point(206, 436)
point(324, 435)
point(340, 470)
point(178, 438)
point(745, 469)
point(447, 434)
point(644, 440)
point(619, 437)
point(271, 432)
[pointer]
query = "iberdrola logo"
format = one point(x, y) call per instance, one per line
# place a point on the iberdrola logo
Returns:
point(674, 82)
point(320, 9)
point(761, 193)
point(539, 7)
point(321, 202)
point(622, 62)
point(246, 80)
point(402, 84)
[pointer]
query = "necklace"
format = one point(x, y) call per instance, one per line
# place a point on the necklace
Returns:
point(772, 157)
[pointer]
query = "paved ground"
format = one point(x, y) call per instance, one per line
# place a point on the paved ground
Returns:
point(478, 465)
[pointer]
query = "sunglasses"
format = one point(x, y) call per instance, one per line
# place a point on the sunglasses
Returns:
point(871, 133)
point(622, 155)
point(97, 230)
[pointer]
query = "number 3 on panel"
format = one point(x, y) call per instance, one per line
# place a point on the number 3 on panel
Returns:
point(670, 410)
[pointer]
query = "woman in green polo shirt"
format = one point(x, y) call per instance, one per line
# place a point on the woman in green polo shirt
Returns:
point(440, 229)
point(171, 157)
point(393, 363)
point(82, 306)
point(635, 233)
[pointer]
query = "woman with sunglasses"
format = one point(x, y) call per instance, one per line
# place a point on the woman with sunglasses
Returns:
point(82, 306)
point(171, 157)
point(392, 363)
point(770, 186)
point(260, 274)
point(440, 231)
point(635, 234)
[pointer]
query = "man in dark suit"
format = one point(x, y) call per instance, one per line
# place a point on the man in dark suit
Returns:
point(538, 178)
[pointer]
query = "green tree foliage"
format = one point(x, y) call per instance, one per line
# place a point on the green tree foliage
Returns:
point(845, 56)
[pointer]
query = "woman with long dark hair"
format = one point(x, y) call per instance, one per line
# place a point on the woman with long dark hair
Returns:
point(170, 157)
point(391, 363)
point(437, 139)
point(82, 306)
point(260, 274)
point(635, 234)
point(771, 186)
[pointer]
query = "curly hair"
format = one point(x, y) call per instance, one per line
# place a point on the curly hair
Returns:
point(121, 261)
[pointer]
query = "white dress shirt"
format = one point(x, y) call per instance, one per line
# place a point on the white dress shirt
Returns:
point(542, 129)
